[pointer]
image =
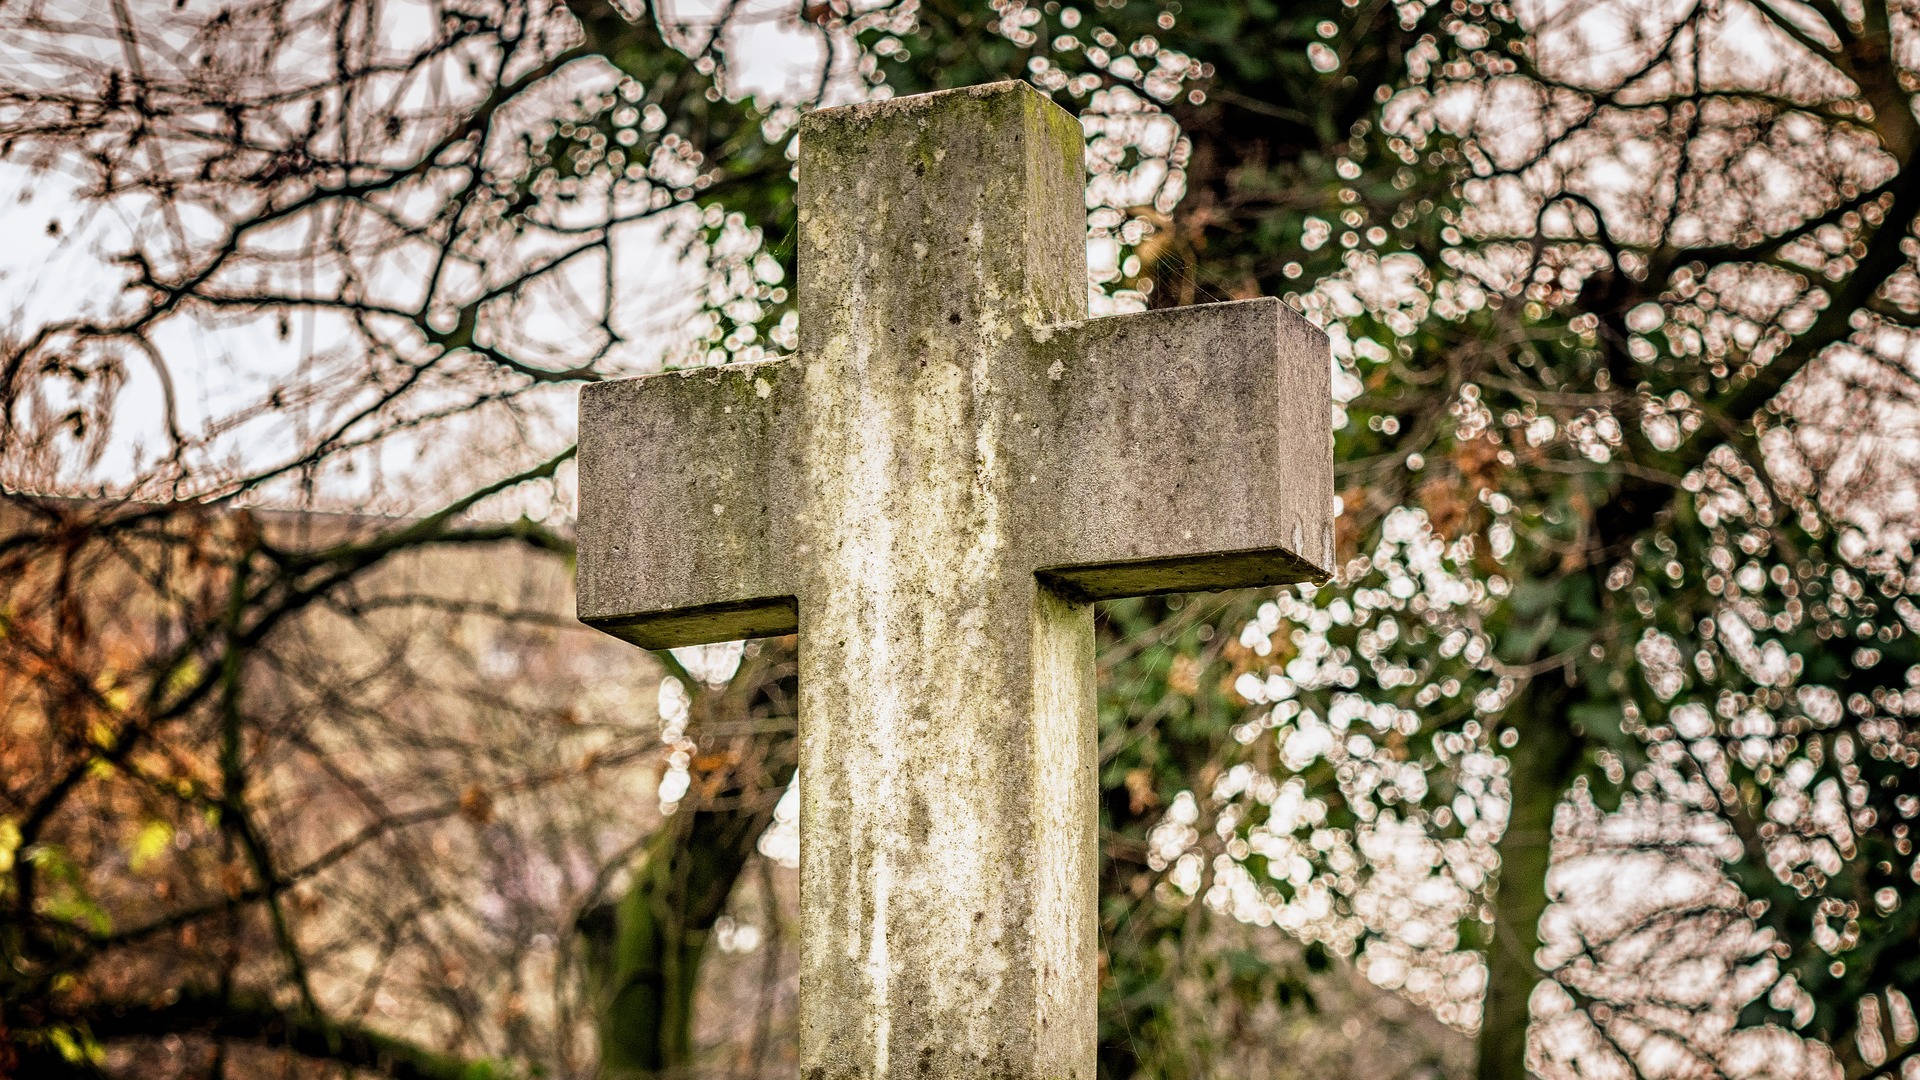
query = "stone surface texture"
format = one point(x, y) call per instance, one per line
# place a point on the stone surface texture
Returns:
point(933, 493)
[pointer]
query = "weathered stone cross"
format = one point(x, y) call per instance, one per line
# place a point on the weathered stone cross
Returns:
point(933, 493)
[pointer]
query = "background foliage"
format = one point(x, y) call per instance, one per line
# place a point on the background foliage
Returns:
point(1603, 734)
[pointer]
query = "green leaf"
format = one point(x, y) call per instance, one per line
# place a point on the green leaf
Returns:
point(149, 844)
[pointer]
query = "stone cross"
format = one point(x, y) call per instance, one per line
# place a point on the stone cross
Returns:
point(933, 493)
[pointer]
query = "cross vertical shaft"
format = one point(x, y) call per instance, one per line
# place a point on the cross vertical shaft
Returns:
point(947, 818)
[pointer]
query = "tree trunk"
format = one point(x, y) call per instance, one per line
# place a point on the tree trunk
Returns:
point(644, 952)
point(1540, 767)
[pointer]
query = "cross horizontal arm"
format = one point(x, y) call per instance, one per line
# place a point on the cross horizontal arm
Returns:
point(1193, 450)
point(684, 529)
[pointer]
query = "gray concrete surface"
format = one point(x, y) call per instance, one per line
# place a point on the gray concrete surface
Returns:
point(933, 492)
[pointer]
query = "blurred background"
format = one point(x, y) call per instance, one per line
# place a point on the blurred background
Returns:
point(1598, 759)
